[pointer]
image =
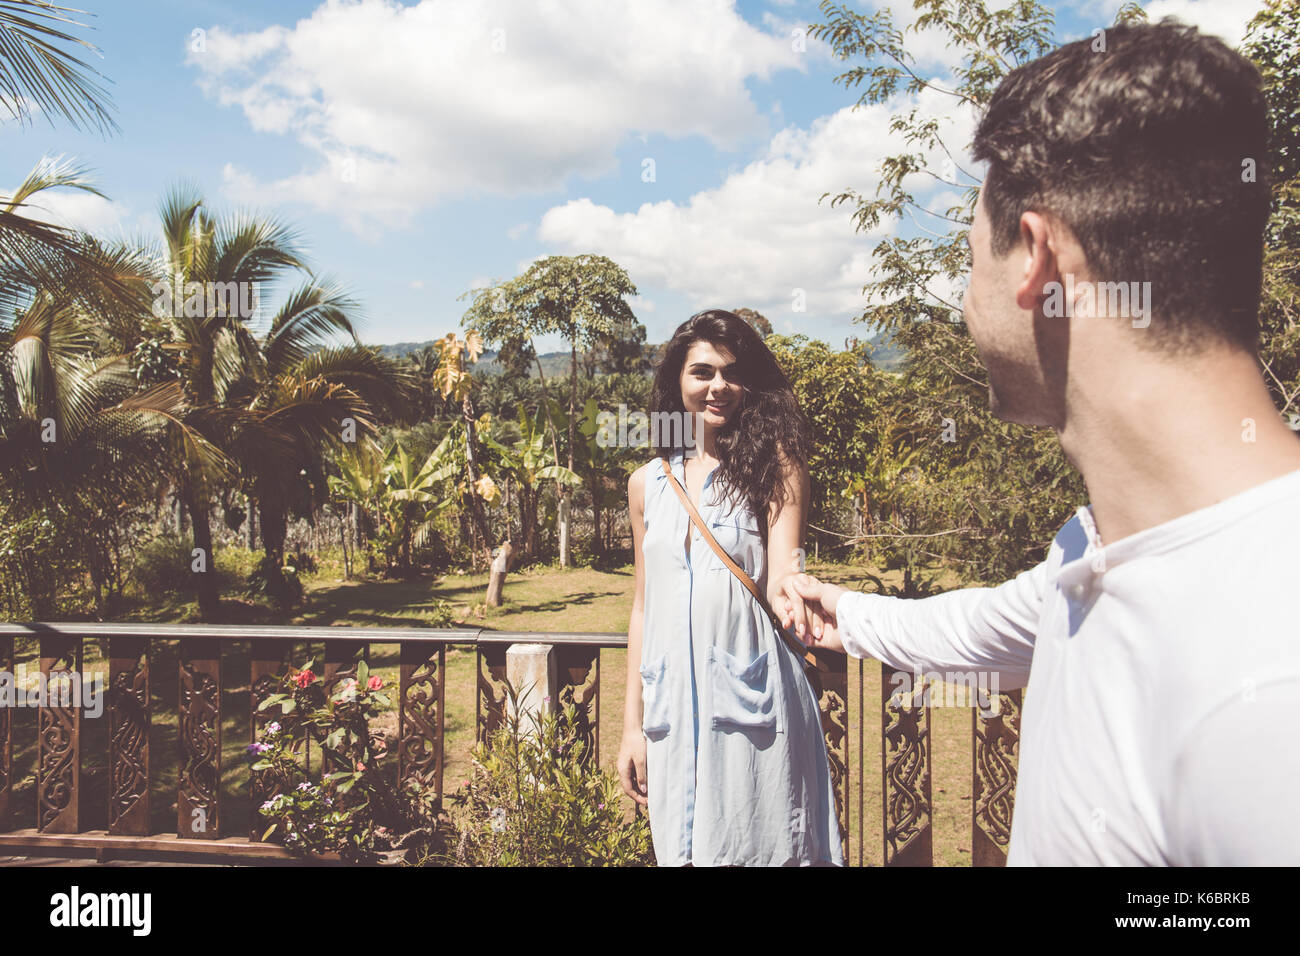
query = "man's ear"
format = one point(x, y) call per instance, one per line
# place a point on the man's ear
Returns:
point(1038, 246)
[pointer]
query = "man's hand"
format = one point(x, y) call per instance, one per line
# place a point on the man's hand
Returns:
point(809, 605)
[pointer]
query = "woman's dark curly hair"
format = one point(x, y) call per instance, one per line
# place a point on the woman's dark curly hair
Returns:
point(768, 427)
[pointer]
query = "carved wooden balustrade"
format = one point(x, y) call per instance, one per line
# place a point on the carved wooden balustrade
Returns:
point(204, 825)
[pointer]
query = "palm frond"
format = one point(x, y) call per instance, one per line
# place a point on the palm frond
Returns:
point(312, 316)
point(255, 249)
point(33, 69)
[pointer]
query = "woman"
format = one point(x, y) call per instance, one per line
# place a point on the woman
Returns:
point(722, 736)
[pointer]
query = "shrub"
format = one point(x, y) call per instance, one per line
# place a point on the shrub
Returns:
point(534, 801)
point(163, 566)
point(278, 583)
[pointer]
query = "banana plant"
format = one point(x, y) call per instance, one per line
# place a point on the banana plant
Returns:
point(528, 462)
point(413, 496)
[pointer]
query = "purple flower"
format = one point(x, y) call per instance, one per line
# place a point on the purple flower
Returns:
point(258, 748)
point(304, 786)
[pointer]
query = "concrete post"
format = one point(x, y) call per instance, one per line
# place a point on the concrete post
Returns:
point(531, 671)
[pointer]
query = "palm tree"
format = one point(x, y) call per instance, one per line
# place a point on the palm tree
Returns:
point(212, 341)
point(33, 70)
point(36, 73)
point(329, 397)
point(78, 436)
point(272, 402)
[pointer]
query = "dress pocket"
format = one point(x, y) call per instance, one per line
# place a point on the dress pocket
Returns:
point(745, 695)
point(736, 535)
point(655, 704)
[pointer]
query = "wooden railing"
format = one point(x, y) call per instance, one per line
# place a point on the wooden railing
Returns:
point(64, 820)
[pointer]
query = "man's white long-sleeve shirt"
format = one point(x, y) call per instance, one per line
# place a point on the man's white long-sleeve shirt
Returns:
point(1161, 720)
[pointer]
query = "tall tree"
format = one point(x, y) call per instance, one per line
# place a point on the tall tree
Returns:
point(977, 479)
point(1273, 43)
point(38, 71)
point(580, 298)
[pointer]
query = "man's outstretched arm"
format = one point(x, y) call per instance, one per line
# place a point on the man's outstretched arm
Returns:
point(989, 629)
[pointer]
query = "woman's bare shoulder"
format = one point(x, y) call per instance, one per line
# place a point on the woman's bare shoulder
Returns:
point(637, 480)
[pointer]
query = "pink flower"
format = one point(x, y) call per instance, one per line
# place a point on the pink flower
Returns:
point(360, 766)
point(375, 683)
point(304, 678)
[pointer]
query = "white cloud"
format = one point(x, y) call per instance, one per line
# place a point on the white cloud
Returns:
point(519, 230)
point(75, 209)
point(417, 284)
point(761, 234)
point(407, 105)
point(1225, 19)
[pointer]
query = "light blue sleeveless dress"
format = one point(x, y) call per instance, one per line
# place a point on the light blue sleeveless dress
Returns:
point(735, 758)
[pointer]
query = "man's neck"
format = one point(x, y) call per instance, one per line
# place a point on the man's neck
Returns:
point(1157, 440)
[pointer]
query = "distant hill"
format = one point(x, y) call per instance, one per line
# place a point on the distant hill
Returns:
point(886, 357)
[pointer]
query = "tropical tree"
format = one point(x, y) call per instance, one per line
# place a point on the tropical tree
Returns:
point(81, 443)
point(37, 73)
point(357, 486)
point(980, 480)
point(272, 402)
point(842, 394)
point(526, 464)
point(1273, 43)
point(321, 397)
point(758, 320)
point(413, 496)
point(455, 382)
point(578, 297)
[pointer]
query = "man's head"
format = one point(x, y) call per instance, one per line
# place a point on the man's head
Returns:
point(1134, 159)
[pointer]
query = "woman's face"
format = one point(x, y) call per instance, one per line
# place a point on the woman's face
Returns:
point(711, 383)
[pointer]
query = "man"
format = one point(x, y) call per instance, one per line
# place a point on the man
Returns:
point(1158, 640)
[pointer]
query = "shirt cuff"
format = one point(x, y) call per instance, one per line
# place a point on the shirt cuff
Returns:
point(851, 617)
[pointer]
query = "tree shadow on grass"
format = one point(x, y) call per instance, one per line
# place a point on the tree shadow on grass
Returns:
point(556, 604)
point(379, 603)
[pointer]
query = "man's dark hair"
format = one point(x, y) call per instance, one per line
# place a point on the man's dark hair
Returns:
point(1137, 141)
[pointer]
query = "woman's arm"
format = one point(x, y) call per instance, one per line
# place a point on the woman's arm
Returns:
point(785, 534)
point(632, 751)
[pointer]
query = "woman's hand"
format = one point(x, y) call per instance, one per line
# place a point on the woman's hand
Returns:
point(631, 765)
point(809, 605)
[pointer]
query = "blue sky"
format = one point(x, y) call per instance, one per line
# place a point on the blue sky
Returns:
point(424, 149)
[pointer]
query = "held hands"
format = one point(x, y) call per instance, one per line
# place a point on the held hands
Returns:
point(809, 605)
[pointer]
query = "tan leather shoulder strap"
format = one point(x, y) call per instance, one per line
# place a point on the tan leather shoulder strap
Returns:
point(795, 645)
